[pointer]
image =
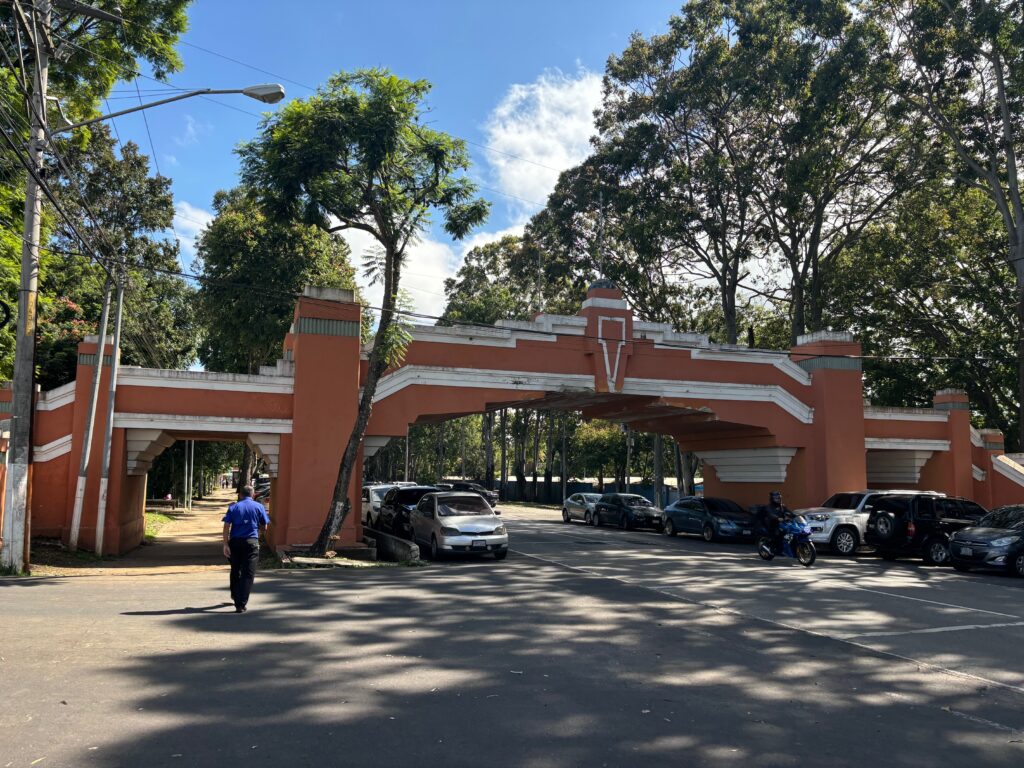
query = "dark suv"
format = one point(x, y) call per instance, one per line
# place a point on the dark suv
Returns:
point(491, 496)
point(914, 524)
point(396, 506)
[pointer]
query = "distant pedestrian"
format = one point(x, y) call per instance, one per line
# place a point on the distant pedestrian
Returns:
point(245, 521)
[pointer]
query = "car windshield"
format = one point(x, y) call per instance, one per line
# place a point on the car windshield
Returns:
point(462, 505)
point(844, 501)
point(635, 501)
point(411, 495)
point(726, 508)
point(1008, 517)
point(591, 497)
point(378, 493)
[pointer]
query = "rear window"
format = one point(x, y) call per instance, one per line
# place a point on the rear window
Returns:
point(844, 501)
point(635, 501)
point(411, 495)
point(462, 505)
point(723, 507)
point(897, 505)
point(591, 497)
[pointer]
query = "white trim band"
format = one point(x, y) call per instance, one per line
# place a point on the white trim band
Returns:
point(56, 398)
point(715, 390)
point(229, 382)
point(477, 378)
point(170, 422)
point(904, 444)
point(52, 450)
point(904, 414)
point(781, 362)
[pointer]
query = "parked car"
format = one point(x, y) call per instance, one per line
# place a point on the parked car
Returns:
point(710, 517)
point(841, 521)
point(996, 542)
point(491, 496)
point(579, 506)
point(918, 524)
point(398, 504)
point(443, 486)
point(458, 521)
point(626, 510)
point(372, 497)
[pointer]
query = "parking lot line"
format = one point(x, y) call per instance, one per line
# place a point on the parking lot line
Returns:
point(932, 630)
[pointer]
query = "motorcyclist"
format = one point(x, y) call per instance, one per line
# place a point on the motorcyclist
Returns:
point(774, 512)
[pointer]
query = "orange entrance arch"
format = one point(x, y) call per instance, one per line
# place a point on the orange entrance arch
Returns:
point(760, 419)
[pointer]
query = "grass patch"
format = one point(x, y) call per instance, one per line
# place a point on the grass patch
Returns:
point(154, 522)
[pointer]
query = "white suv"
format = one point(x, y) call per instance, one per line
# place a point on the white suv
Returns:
point(841, 521)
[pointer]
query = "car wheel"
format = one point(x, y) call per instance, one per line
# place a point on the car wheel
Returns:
point(1018, 565)
point(624, 522)
point(885, 526)
point(501, 554)
point(565, 516)
point(962, 567)
point(936, 552)
point(435, 553)
point(595, 519)
point(669, 529)
point(708, 532)
point(845, 542)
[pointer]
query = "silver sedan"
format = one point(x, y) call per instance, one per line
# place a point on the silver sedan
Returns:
point(579, 506)
point(458, 522)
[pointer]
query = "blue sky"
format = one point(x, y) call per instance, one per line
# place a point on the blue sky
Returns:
point(515, 78)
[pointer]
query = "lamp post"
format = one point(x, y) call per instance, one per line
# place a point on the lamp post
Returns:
point(14, 536)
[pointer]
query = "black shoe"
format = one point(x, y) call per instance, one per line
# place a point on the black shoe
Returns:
point(239, 609)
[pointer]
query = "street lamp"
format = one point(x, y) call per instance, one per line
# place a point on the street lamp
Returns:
point(268, 93)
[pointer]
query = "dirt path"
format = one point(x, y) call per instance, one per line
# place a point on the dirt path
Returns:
point(189, 543)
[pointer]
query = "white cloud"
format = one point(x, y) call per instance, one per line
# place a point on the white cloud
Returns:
point(194, 130)
point(547, 122)
point(171, 160)
point(189, 222)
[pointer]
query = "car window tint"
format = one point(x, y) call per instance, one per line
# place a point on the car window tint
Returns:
point(948, 508)
point(844, 501)
point(425, 504)
point(366, 494)
point(462, 505)
point(972, 510)
point(1004, 517)
point(606, 499)
point(723, 506)
point(897, 505)
point(390, 497)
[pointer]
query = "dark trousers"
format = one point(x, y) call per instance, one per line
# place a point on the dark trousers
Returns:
point(245, 555)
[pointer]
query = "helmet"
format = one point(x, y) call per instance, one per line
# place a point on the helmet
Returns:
point(774, 497)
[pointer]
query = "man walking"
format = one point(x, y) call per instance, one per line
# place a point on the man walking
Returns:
point(245, 521)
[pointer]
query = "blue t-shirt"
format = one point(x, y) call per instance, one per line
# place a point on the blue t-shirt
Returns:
point(246, 517)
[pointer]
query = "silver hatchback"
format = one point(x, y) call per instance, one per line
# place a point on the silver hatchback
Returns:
point(463, 522)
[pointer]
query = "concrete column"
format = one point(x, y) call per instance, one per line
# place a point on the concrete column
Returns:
point(834, 458)
point(956, 472)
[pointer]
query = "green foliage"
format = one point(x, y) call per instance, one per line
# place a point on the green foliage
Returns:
point(253, 268)
point(484, 289)
point(934, 284)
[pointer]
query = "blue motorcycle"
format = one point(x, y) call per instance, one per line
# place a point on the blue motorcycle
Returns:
point(795, 542)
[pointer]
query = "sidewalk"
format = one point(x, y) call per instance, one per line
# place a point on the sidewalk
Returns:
point(190, 543)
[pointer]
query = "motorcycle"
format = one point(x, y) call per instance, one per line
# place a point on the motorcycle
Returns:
point(795, 542)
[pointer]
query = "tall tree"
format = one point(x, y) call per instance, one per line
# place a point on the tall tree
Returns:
point(358, 155)
point(960, 68)
point(243, 246)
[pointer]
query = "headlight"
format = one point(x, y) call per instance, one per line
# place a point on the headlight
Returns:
point(500, 531)
point(820, 517)
point(723, 521)
point(1005, 541)
point(446, 531)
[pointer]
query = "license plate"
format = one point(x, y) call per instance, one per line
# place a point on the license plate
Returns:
point(479, 544)
point(746, 531)
point(966, 551)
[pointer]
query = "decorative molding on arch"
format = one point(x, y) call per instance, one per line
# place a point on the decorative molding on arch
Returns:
point(230, 382)
point(1009, 466)
point(896, 466)
point(240, 425)
point(904, 444)
point(715, 390)
point(750, 465)
point(478, 378)
point(52, 450)
point(978, 473)
point(781, 361)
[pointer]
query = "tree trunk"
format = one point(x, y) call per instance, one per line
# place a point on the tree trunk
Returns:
point(659, 477)
point(600, 480)
point(248, 466)
point(519, 432)
point(680, 485)
point(504, 450)
point(799, 321)
point(440, 452)
point(536, 454)
point(487, 429)
point(549, 458)
point(1018, 443)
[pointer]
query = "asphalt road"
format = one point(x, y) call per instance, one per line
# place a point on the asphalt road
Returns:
point(585, 648)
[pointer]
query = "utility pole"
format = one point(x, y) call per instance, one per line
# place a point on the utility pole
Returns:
point(629, 446)
point(90, 420)
point(191, 469)
point(16, 512)
point(405, 474)
point(108, 428)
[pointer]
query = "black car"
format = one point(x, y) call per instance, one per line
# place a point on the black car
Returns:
point(626, 510)
point(996, 542)
point(710, 517)
point(396, 506)
point(491, 496)
point(903, 525)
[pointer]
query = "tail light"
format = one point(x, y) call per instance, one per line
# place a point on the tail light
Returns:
point(911, 529)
